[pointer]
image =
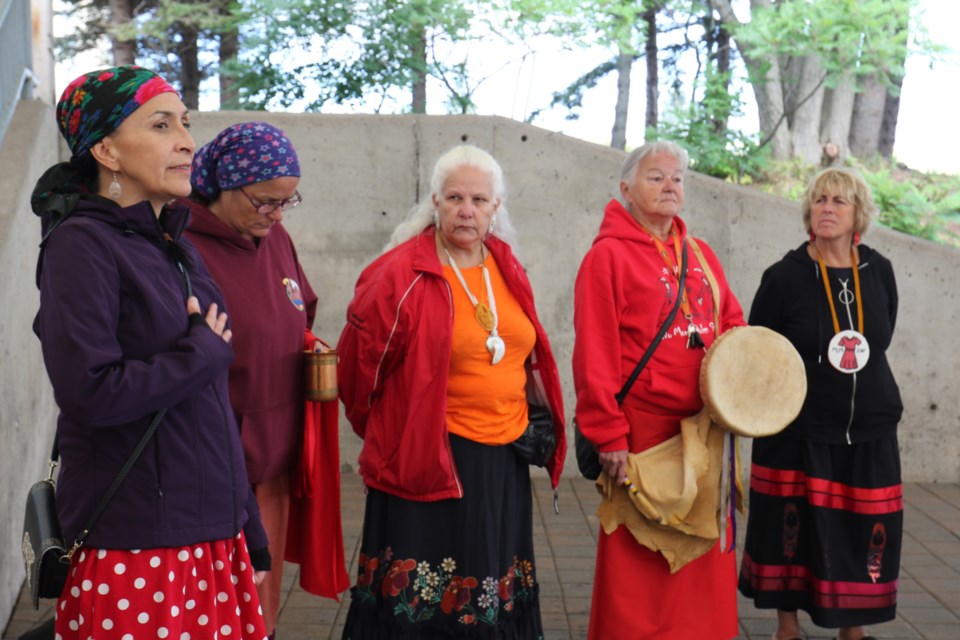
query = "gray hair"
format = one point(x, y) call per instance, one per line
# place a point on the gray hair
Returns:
point(629, 170)
point(421, 215)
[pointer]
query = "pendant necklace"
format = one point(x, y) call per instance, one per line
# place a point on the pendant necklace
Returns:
point(848, 350)
point(485, 316)
point(694, 339)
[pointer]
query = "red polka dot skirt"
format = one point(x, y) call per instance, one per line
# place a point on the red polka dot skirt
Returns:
point(196, 592)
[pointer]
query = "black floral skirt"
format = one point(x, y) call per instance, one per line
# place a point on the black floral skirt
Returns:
point(461, 568)
point(825, 530)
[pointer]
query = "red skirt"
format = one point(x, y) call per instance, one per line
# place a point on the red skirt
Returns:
point(635, 596)
point(203, 590)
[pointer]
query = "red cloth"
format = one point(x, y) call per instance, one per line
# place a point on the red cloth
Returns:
point(315, 533)
point(635, 596)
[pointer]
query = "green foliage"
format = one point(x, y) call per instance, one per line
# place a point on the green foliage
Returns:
point(715, 149)
point(351, 51)
point(862, 36)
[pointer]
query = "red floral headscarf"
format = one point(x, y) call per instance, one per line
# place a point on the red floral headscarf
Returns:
point(94, 105)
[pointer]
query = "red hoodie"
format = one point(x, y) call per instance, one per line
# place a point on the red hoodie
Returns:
point(622, 296)
point(394, 360)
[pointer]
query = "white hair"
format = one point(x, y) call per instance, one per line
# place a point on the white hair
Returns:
point(422, 214)
point(629, 170)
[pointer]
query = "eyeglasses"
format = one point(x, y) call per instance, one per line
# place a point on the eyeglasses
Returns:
point(263, 208)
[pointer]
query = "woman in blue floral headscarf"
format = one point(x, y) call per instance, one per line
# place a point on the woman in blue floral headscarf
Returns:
point(124, 340)
point(244, 180)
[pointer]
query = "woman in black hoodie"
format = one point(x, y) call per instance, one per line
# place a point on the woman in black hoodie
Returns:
point(826, 500)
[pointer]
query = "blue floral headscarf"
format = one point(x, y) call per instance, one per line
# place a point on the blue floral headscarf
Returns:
point(242, 154)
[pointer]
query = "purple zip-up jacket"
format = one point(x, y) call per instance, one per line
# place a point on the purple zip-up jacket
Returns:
point(118, 347)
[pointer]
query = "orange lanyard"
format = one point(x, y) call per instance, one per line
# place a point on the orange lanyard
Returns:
point(672, 263)
point(856, 288)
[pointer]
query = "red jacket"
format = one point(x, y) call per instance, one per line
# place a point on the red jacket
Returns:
point(394, 359)
point(623, 294)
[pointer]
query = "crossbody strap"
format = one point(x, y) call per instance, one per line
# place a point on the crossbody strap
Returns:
point(114, 486)
point(663, 330)
point(708, 272)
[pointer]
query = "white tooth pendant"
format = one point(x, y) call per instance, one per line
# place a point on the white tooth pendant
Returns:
point(496, 347)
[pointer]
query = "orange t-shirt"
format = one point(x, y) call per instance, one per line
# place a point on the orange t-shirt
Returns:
point(487, 403)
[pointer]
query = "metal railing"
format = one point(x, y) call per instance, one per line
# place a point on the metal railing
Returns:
point(16, 53)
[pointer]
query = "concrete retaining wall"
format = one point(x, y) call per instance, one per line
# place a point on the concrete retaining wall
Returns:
point(361, 176)
point(27, 410)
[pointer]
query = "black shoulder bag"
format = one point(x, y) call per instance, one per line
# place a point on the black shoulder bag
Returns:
point(587, 458)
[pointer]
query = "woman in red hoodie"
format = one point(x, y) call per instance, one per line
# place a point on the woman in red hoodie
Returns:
point(625, 289)
point(441, 358)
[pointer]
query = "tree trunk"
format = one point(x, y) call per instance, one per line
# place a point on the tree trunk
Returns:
point(888, 127)
point(187, 51)
point(722, 56)
point(420, 69)
point(807, 109)
point(229, 48)
point(653, 69)
point(767, 87)
point(618, 138)
point(837, 113)
point(867, 118)
point(121, 13)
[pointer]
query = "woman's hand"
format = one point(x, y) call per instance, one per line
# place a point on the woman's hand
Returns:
point(615, 464)
point(216, 321)
point(259, 577)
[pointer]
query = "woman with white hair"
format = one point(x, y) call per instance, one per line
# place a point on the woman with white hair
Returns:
point(627, 285)
point(440, 361)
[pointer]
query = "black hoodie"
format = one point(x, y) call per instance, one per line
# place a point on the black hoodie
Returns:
point(840, 407)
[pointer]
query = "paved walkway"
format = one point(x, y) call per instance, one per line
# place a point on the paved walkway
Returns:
point(929, 600)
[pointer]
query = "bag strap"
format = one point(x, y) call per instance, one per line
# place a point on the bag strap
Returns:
point(663, 330)
point(708, 272)
point(105, 500)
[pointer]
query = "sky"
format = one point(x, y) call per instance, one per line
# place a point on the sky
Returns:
point(928, 131)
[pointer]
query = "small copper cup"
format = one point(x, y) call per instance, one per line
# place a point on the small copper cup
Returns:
point(320, 375)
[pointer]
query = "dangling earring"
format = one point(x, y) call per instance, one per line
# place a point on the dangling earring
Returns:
point(114, 190)
point(856, 238)
point(812, 237)
point(493, 223)
point(436, 219)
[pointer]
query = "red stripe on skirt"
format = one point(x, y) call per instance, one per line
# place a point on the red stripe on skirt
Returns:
point(827, 594)
point(826, 493)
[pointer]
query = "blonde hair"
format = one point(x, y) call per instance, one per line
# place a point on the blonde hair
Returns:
point(847, 184)
point(421, 215)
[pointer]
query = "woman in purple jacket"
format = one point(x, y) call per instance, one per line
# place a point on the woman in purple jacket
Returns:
point(124, 338)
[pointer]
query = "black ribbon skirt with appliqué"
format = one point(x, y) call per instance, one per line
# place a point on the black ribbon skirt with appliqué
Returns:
point(825, 529)
point(459, 568)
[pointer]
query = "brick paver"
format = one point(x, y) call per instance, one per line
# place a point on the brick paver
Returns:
point(929, 598)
